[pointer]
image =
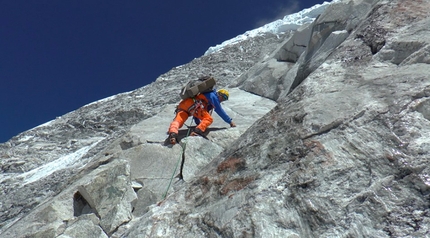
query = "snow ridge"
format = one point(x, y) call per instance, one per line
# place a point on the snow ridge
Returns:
point(288, 23)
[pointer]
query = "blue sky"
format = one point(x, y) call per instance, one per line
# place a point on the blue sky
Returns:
point(58, 55)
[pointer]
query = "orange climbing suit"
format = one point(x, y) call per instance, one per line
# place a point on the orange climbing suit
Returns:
point(196, 107)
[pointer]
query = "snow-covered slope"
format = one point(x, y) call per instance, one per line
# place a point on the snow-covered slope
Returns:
point(289, 23)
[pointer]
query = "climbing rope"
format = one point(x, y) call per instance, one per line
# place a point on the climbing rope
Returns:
point(176, 167)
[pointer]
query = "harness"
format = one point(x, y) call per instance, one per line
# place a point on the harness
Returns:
point(196, 107)
point(198, 104)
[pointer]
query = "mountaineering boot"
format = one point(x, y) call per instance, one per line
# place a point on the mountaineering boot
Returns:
point(173, 138)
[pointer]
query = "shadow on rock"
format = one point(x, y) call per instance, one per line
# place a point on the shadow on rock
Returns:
point(185, 133)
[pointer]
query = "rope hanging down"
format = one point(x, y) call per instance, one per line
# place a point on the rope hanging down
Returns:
point(182, 155)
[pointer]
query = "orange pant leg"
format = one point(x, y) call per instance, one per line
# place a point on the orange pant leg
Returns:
point(205, 119)
point(178, 122)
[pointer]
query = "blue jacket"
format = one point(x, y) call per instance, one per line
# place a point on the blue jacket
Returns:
point(214, 103)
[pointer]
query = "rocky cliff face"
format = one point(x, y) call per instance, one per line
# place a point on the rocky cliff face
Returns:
point(332, 141)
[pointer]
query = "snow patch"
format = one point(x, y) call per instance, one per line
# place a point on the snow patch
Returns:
point(25, 138)
point(103, 100)
point(44, 124)
point(110, 98)
point(63, 162)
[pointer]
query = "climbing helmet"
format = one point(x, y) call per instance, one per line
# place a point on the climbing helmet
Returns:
point(224, 94)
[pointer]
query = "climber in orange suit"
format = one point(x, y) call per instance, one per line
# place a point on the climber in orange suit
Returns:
point(199, 108)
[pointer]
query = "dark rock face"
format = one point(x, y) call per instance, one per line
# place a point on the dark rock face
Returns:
point(343, 152)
